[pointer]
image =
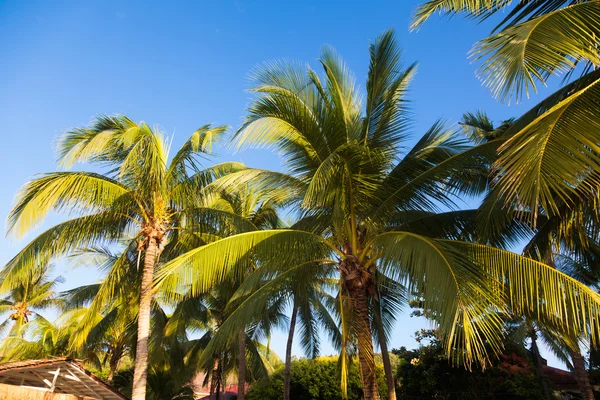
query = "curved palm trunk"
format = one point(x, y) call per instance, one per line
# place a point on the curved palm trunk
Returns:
point(242, 365)
point(288, 356)
point(583, 380)
point(140, 371)
point(387, 365)
point(539, 366)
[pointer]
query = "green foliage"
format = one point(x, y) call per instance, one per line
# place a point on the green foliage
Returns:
point(550, 156)
point(426, 372)
point(317, 379)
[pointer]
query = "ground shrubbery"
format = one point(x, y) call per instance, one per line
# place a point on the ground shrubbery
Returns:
point(318, 378)
point(426, 373)
point(423, 373)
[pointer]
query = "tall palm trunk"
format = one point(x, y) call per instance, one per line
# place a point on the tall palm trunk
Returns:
point(539, 365)
point(387, 365)
point(288, 355)
point(366, 356)
point(357, 281)
point(140, 372)
point(242, 365)
point(583, 380)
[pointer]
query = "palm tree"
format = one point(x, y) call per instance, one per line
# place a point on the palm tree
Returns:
point(551, 154)
point(35, 291)
point(205, 313)
point(112, 330)
point(47, 339)
point(260, 212)
point(141, 192)
point(374, 212)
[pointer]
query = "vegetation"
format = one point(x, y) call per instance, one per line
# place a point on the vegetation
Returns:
point(316, 378)
point(199, 268)
point(426, 373)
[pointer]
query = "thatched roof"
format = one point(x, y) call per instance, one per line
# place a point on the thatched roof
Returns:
point(57, 375)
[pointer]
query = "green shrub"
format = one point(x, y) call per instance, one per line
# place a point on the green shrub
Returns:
point(317, 379)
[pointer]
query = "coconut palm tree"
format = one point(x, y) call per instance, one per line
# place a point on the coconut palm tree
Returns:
point(551, 154)
point(111, 331)
point(375, 211)
point(260, 211)
point(45, 339)
point(34, 292)
point(141, 192)
point(204, 314)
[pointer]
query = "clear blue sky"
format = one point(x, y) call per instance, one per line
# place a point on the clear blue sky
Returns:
point(183, 64)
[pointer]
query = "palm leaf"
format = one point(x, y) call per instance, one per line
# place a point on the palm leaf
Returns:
point(202, 268)
point(551, 155)
point(552, 43)
point(58, 191)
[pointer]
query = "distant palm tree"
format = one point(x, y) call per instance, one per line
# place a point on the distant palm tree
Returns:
point(366, 211)
point(551, 155)
point(141, 192)
point(260, 211)
point(33, 292)
point(111, 330)
point(46, 339)
point(204, 314)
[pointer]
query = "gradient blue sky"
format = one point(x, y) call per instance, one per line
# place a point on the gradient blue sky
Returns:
point(182, 64)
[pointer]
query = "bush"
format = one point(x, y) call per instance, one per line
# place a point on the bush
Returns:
point(317, 379)
point(427, 373)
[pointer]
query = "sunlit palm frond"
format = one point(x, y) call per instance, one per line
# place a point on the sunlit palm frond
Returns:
point(201, 142)
point(101, 142)
point(386, 117)
point(476, 8)
point(551, 155)
point(100, 229)
point(202, 268)
point(458, 296)
point(514, 59)
point(62, 191)
point(533, 288)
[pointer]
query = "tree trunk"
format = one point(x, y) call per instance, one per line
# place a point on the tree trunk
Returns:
point(288, 355)
point(242, 365)
point(140, 371)
point(215, 379)
point(366, 356)
point(539, 366)
point(387, 365)
point(583, 380)
point(113, 363)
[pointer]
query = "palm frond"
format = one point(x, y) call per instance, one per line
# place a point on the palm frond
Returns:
point(551, 155)
point(99, 229)
point(62, 191)
point(514, 59)
point(475, 8)
point(457, 294)
point(202, 268)
point(533, 288)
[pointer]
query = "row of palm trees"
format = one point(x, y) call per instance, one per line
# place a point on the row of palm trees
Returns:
point(375, 223)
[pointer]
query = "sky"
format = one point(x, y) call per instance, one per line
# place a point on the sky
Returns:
point(182, 64)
